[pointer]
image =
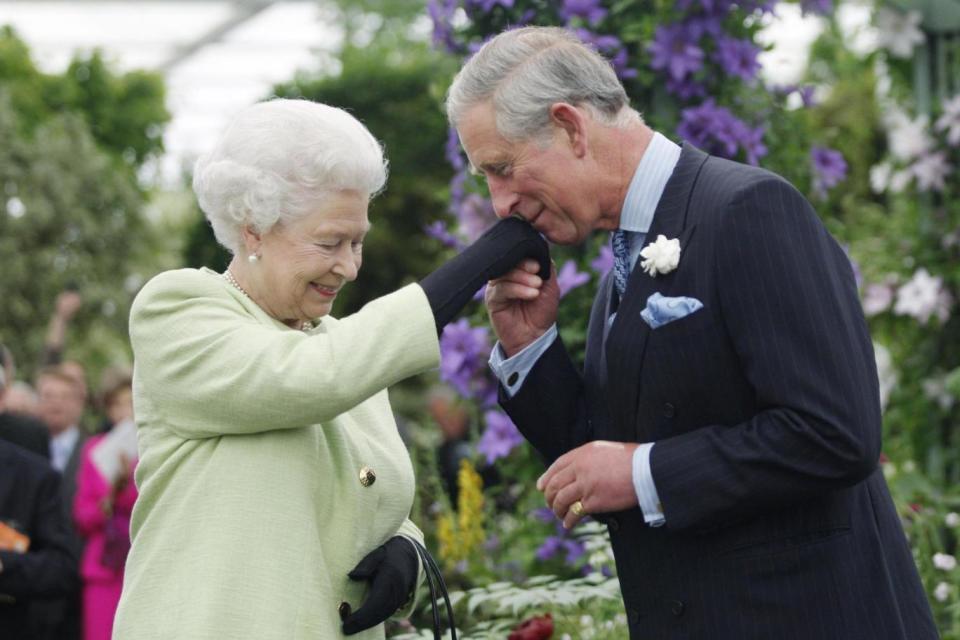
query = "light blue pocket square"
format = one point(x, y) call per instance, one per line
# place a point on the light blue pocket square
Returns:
point(662, 310)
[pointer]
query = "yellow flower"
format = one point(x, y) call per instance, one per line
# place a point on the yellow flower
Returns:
point(459, 538)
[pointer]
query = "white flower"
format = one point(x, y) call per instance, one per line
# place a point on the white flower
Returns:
point(920, 297)
point(942, 592)
point(899, 32)
point(877, 298)
point(880, 175)
point(950, 120)
point(936, 389)
point(15, 207)
point(952, 519)
point(944, 561)
point(931, 170)
point(661, 256)
point(908, 138)
point(900, 180)
point(885, 372)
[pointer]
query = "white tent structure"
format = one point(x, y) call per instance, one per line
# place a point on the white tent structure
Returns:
point(220, 55)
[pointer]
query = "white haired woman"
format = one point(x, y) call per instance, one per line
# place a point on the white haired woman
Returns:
point(275, 491)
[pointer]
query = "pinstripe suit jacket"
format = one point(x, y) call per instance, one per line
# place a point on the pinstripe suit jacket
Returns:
point(766, 416)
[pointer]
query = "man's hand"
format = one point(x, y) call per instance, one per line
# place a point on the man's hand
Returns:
point(522, 306)
point(67, 304)
point(599, 474)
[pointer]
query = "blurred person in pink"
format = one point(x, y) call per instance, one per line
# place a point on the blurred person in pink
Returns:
point(101, 510)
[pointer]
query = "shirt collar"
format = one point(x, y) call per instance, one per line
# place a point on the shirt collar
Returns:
point(66, 439)
point(648, 182)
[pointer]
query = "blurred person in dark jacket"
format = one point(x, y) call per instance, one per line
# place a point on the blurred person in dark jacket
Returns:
point(18, 428)
point(37, 558)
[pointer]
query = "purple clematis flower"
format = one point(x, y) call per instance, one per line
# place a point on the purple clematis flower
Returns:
point(475, 215)
point(589, 10)
point(604, 261)
point(674, 52)
point(718, 131)
point(441, 13)
point(829, 169)
point(452, 150)
point(699, 26)
point(438, 231)
point(568, 278)
point(487, 5)
point(463, 357)
point(686, 89)
point(499, 438)
point(817, 7)
point(738, 58)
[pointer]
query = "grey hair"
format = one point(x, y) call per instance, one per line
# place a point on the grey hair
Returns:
point(277, 160)
point(524, 71)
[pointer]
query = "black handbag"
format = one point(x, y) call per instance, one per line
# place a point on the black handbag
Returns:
point(436, 583)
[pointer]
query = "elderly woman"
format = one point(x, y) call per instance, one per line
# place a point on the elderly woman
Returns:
point(274, 488)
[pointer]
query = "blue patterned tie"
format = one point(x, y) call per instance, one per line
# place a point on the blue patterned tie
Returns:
point(621, 259)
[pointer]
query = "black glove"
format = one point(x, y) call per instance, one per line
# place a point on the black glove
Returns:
point(496, 252)
point(391, 570)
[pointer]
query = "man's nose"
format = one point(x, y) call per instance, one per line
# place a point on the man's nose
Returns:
point(504, 200)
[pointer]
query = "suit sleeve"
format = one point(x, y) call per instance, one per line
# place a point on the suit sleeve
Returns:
point(49, 568)
point(550, 408)
point(211, 369)
point(789, 303)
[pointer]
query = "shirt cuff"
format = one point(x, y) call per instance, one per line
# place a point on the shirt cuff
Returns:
point(513, 371)
point(645, 488)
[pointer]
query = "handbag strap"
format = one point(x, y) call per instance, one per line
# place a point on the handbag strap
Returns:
point(435, 581)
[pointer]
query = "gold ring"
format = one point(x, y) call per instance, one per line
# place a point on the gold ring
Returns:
point(577, 508)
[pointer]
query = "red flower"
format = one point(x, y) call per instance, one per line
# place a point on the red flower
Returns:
point(537, 628)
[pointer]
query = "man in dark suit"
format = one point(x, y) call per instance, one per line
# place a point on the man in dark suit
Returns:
point(46, 566)
point(726, 425)
point(62, 395)
point(21, 430)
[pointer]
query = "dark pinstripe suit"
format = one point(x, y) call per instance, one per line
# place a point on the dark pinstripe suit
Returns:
point(765, 412)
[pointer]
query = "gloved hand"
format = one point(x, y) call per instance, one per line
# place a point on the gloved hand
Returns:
point(391, 570)
point(501, 248)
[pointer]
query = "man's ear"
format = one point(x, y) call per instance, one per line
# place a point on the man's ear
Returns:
point(573, 122)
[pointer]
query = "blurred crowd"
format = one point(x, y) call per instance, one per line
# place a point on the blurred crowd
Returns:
point(67, 456)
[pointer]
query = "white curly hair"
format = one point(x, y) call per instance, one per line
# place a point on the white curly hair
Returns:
point(277, 160)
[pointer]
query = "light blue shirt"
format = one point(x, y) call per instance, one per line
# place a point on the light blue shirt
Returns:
point(61, 446)
point(646, 187)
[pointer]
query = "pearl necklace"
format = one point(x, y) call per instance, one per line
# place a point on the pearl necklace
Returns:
point(306, 326)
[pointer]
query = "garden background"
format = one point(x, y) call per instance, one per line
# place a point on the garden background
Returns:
point(871, 134)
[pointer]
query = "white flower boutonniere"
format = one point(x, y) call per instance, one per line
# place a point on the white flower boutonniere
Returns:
point(661, 256)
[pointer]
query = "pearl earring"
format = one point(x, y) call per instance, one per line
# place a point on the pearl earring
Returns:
point(253, 258)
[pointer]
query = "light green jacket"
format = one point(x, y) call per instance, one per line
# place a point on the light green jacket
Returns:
point(252, 439)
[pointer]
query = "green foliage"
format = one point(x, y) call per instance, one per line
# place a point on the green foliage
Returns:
point(71, 211)
point(72, 221)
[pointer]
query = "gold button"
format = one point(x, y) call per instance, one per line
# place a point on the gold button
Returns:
point(367, 476)
point(344, 610)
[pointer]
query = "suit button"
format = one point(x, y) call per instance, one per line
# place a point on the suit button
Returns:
point(344, 610)
point(512, 379)
point(669, 410)
point(676, 608)
point(613, 524)
point(367, 476)
point(634, 616)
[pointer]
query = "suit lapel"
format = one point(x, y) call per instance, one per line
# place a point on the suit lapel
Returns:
point(627, 341)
